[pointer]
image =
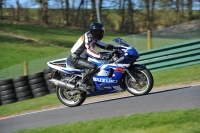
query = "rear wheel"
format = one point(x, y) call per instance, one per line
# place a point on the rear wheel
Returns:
point(70, 98)
point(144, 82)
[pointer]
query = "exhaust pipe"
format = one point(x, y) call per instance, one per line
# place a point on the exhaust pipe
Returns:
point(62, 84)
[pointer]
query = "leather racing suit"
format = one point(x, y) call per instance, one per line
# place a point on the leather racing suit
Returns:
point(83, 48)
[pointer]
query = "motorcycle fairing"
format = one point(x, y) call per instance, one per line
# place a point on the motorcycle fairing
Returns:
point(96, 61)
point(63, 65)
point(104, 81)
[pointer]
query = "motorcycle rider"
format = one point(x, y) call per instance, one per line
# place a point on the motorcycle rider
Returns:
point(84, 47)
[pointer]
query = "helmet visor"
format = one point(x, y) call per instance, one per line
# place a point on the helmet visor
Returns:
point(97, 34)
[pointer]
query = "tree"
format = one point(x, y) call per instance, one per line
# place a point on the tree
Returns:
point(131, 16)
point(78, 12)
point(67, 12)
point(179, 10)
point(100, 5)
point(122, 13)
point(43, 11)
point(85, 14)
point(93, 11)
point(189, 6)
point(182, 9)
point(1, 9)
point(149, 4)
point(17, 11)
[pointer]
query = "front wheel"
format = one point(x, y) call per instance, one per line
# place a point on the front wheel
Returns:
point(70, 98)
point(144, 82)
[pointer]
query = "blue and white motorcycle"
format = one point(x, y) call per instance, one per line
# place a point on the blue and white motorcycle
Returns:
point(118, 74)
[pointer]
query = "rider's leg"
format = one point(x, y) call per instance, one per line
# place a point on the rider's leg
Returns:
point(91, 70)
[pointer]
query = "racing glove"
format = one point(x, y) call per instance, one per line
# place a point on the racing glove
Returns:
point(106, 57)
point(109, 47)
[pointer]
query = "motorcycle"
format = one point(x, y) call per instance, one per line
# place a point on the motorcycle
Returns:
point(120, 73)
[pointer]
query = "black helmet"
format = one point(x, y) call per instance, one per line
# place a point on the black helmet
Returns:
point(97, 30)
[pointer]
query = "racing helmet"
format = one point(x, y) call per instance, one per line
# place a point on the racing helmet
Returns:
point(97, 30)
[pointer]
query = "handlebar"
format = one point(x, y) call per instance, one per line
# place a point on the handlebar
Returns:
point(116, 47)
point(120, 59)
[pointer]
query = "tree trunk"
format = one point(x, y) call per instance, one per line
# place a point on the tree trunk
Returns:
point(45, 11)
point(93, 11)
point(147, 4)
point(189, 5)
point(131, 16)
point(100, 5)
point(17, 11)
point(122, 9)
point(73, 12)
point(1, 3)
point(120, 4)
point(67, 12)
point(177, 10)
point(78, 13)
point(86, 14)
point(182, 9)
point(150, 13)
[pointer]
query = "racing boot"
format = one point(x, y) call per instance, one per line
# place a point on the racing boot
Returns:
point(84, 84)
point(85, 78)
point(86, 87)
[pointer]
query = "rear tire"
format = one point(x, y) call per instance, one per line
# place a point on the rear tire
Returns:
point(70, 101)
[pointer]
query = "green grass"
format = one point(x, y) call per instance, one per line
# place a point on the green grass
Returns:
point(182, 75)
point(67, 37)
point(173, 76)
point(32, 104)
point(60, 36)
point(140, 42)
point(178, 121)
point(15, 51)
point(28, 50)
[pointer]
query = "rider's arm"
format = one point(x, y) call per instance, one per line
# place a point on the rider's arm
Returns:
point(104, 46)
point(90, 47)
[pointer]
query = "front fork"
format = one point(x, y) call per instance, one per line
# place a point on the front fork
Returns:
point(134, 80)
point(135, 67)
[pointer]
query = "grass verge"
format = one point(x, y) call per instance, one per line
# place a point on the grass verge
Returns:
point(15, 51)
point(182, 75)
point(179, 121)
point(60, 36)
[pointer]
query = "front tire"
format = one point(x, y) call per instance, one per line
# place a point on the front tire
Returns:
point(66, 97)
point(144, 82)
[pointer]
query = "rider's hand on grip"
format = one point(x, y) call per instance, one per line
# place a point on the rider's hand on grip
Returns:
point(106, 57)
point(113, 53)
point(110, 47)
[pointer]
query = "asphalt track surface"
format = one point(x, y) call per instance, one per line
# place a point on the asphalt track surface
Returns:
point(173, 99)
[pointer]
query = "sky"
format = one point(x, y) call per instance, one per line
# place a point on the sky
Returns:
point(31, 4)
